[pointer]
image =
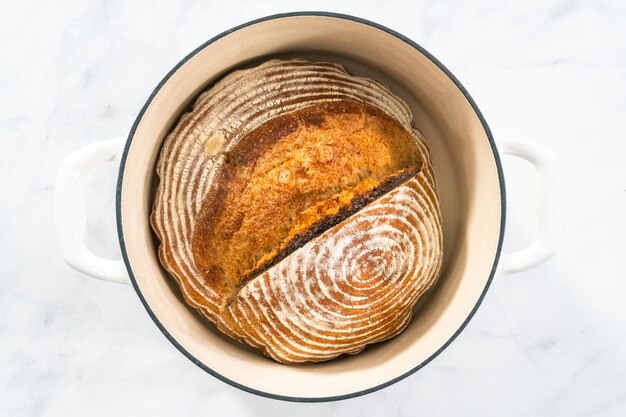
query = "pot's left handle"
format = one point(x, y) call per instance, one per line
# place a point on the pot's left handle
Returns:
point(70, 211)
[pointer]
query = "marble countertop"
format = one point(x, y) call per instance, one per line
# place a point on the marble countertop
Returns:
point(547, 342)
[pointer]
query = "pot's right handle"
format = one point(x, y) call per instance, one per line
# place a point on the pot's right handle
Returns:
point(549, 205)
point(70, 211)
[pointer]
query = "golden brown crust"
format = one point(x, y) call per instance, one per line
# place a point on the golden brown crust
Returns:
point(292, 163)
point(327, 221)
point(296, 210)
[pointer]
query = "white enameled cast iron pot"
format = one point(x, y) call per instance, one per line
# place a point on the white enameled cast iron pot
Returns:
point(468, 174)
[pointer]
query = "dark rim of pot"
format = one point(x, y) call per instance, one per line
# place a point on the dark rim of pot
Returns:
point(121, 233)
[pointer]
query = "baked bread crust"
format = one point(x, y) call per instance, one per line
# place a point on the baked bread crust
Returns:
point(345, 281)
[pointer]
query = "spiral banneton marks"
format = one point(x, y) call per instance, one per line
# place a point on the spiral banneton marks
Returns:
point(353, 285)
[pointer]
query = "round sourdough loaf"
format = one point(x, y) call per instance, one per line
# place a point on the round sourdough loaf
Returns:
point(297, 210)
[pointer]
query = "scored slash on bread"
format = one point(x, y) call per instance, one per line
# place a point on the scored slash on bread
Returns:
point(297, 210)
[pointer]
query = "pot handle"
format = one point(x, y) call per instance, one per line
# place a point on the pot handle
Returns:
point(70, 211)
point(549, 205)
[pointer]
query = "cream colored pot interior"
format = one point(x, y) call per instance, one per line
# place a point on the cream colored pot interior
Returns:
point(466, 175)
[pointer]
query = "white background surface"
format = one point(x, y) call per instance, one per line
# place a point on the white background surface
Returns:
point(548, 342)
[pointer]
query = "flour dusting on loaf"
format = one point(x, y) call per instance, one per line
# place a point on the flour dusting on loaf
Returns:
point(341, 264)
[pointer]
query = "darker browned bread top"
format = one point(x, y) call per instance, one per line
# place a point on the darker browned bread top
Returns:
point(290, 179)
